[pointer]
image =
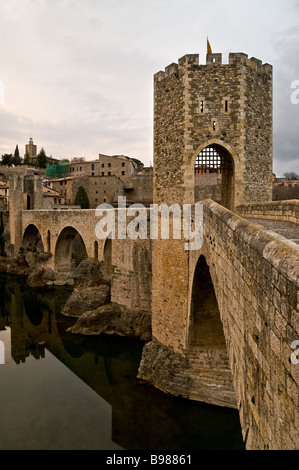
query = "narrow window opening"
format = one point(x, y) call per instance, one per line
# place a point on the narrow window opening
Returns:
point(226, 106)
point(201, 106)
point(214, 125)
point(96, 250)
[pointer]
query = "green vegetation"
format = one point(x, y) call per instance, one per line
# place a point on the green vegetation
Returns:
point(42, 159)
point(82, 198)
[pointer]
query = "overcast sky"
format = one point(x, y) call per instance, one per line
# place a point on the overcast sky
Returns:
point(78, 74)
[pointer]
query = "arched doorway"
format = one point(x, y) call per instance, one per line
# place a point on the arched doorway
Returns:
point(32, 240)
point(70, 250)
point(214, 175)
point(207, 345)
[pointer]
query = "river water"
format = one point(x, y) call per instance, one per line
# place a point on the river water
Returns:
point(60, 391)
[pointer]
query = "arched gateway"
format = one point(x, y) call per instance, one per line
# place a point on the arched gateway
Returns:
point(214, 175)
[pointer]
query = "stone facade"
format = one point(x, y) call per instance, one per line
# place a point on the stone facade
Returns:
point(99, 189)
point(106, 165)
point(226, 106)
point(104, 189)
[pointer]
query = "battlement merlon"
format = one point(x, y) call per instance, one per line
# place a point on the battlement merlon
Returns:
point(235, 58)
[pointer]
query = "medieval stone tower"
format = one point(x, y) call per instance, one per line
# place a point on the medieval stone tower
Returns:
point(213, 131)
point(212, 140)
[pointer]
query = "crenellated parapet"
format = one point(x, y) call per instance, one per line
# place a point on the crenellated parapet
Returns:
point(215, 60)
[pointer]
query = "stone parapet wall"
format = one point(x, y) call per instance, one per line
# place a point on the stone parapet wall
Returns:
point(256, 280)
point(287, 211)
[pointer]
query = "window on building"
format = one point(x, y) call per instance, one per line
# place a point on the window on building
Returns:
point(123, 164)
point(109, 173)
point(123, 173)
point(92, 167)
point(109, 165)
point(201, 106)
point(103, 173)
point(103, 165)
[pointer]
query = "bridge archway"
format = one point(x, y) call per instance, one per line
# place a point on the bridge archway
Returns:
point(32, 240)
point(207, 344)
point(70, 250)
point(214, 173)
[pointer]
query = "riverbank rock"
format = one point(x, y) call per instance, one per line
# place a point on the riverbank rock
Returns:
point(86, 299)
point(89, 273)
point(114, 319)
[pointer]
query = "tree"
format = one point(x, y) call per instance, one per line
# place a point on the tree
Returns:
point(291, 175)
point(27, 159)
point(42, 159)
point(7, 159)
point(16, 159)
point(82, 198)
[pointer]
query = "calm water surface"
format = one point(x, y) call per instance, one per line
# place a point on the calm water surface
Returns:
point(61, 391)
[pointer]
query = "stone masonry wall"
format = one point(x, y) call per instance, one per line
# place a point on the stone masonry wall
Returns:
point(287, 211)
point(256, 281)
point(199, 105)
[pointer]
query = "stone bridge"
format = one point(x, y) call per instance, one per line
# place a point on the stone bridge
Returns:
point(224, 320)
point(224, 317)
point(59, 230)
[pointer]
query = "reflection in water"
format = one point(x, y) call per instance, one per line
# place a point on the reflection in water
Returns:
point(83, 392)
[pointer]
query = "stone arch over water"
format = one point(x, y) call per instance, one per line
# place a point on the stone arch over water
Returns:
point(32, 239)
point(70, 250)
point(207, 343)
